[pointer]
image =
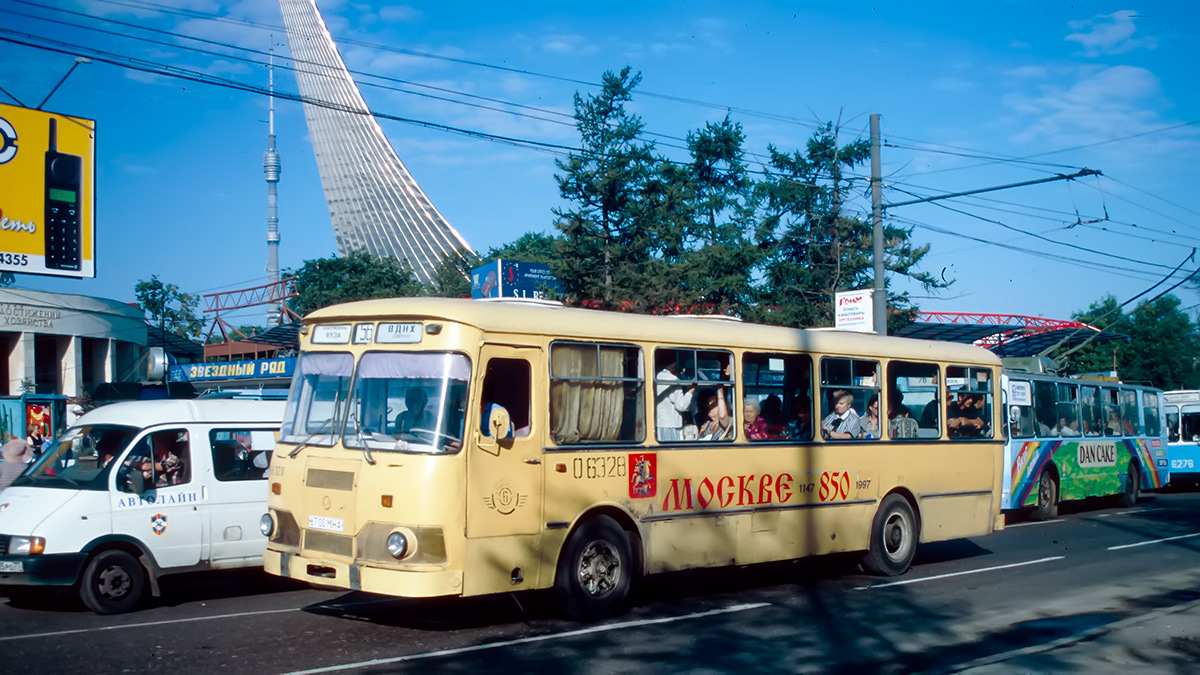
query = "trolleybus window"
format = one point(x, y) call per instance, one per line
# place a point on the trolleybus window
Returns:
point(1150, 413)
point(319, 389)
point(1045, 398)
point(1190, 422)
point(596, 393)
point(1129, 412)
point(1067, 410)
point(1172, 423)
point(408, 402)
point(1112, 412)
point(1093, 413)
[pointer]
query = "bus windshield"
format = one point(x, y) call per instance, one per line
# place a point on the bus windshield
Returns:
point(406, 402)
point(80, 458)
point(317, 399)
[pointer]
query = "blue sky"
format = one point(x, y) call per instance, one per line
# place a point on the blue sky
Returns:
point(963, 89)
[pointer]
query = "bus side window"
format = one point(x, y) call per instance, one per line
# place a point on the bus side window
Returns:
point(507, 384)
point(910, 388)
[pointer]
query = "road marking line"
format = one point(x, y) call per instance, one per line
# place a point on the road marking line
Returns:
point(536, 638)
point(1033, 522)
point(959, 574)
point(1153, 541)
point(5, 638)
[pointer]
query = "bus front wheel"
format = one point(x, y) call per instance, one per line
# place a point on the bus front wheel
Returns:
point(1047, 497)
point(595, 570)
point(1133, 485)
point(893, 538)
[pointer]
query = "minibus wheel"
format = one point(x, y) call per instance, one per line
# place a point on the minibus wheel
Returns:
point(595, 570)
point(1133, 485)
point(112, 583)
point(893, 537)
point(1047, 497)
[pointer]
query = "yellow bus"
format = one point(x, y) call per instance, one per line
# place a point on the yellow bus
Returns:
point(435, 447)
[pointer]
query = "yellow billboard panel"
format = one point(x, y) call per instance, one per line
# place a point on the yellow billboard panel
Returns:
point(47, 193)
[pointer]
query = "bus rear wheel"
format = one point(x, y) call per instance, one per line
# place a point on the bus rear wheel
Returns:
point(893, 538)
point(112, 583)
point(1047, 498)
point(1133, 485)
point(595, 570)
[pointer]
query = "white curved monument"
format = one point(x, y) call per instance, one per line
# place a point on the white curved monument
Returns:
point(374, 202)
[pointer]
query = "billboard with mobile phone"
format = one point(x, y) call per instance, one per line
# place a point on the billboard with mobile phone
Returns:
point(47, 193)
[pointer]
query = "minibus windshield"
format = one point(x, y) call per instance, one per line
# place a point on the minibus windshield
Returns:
point(81, 458)
point(317, 398)
point(406, 402)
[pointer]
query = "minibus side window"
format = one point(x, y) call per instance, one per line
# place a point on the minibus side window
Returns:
point(163, 459)
point(241, 454)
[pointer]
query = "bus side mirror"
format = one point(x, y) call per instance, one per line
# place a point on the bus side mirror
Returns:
point(500, 424)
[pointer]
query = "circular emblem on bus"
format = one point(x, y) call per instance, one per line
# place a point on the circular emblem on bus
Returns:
point(326, 502)
point(505, 499)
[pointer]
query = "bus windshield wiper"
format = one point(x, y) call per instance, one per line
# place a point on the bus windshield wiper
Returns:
point(358, 436)
point(329, 421)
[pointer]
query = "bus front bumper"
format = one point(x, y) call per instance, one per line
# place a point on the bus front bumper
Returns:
point(359, 577)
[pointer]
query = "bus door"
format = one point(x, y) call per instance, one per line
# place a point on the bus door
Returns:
point(504, 473)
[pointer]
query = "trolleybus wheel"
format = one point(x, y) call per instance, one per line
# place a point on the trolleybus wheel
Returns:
point(1047, 497)
point(893, 538)
point(1133, 485)
point(595, 570)
point(112, 583)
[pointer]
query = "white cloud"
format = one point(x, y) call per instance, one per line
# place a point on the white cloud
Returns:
point(573, 44)
point(1100, 105)
point(1109, 34)
point(400, 14)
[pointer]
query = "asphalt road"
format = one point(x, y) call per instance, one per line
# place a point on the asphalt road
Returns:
point(1064, 595)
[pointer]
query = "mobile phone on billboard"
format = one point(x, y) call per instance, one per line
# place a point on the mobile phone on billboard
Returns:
point(64, 178)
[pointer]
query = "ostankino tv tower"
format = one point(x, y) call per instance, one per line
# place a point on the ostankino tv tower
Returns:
point(271, 167)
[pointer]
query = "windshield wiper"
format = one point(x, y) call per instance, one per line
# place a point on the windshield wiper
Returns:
point(295, 451)
point(358, 436)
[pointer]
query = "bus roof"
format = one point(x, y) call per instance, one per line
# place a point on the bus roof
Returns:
point(590, 324)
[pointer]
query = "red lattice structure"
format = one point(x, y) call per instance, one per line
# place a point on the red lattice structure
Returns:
point(267, 294)
point(1005, 334)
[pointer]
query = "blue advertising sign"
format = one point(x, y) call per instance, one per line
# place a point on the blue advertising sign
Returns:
point(233, 370)
point(513, 279)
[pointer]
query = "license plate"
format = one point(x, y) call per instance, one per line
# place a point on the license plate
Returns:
point(14, 566)
point(326, 523)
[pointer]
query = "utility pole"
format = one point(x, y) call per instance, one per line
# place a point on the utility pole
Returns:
point(879, 296)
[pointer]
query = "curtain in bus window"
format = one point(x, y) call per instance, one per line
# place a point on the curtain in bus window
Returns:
point(587, 392)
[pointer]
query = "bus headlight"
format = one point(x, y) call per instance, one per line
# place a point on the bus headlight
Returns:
point(397, 545)
point(266, 525)
point(26, 545)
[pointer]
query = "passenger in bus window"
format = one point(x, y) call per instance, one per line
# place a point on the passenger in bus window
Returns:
point(415, 415)
point(900, 421)
point(800, 427)
point(1066, 428)
point(929, 414)
point(843, 423)
point(771, 410)
point(753, 424)
point(871, 428)
point(718, 426)
point(671, 400)
point(964, 420)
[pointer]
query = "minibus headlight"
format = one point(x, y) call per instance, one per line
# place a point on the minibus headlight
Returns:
point(266, 525)
point(397, 545)
point(27, 546)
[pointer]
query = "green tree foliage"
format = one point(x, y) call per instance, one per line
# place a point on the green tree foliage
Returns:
point(533, 247)
point(1164, 347)
point(605, 247)
point(648, 234)
point(452, 278)
point(357, 276)
point(166, 306)
point(813, 247)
